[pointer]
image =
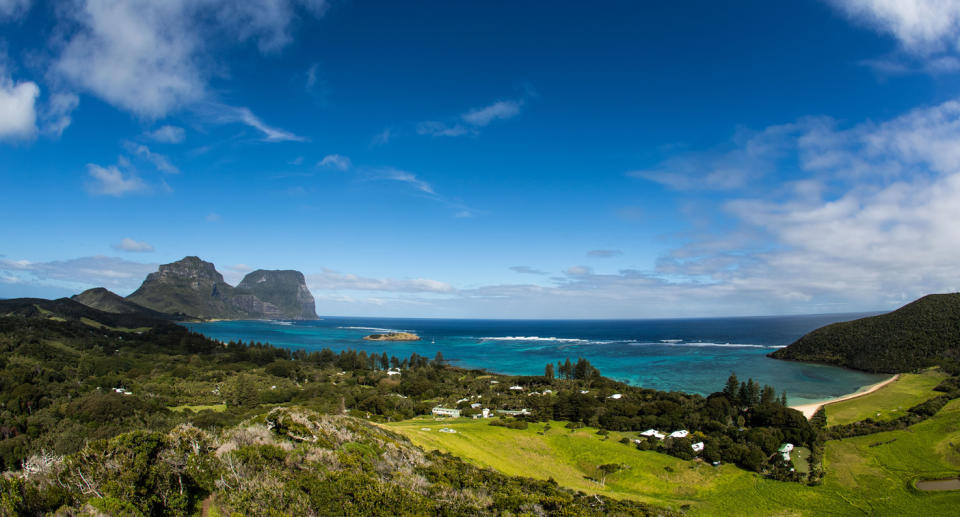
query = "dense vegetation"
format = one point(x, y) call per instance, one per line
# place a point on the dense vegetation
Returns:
point(923, 333)
point(95, 408)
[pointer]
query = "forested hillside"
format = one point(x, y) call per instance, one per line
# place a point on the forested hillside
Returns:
point(923, 333)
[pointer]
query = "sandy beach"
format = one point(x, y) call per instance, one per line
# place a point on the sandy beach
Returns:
point(808, 410)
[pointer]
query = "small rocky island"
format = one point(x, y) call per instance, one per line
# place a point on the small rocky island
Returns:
point(393, 336)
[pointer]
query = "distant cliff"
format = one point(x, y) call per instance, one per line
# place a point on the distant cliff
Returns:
point(923, 333)
point(284, 291)
point(195, 288)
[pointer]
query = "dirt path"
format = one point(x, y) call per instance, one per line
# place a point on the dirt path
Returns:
point(808, 410)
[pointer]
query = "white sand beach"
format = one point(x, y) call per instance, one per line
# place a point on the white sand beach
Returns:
point(810, 409)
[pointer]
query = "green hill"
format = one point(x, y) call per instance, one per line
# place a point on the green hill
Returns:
point(923, 333)
point(108, 301)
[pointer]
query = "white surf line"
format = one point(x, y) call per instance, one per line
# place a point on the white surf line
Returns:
point(809, 410)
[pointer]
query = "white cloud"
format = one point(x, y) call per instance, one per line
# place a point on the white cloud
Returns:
point(13, 9)
point(161, 162)
point(213, 218)
point(500, 110)
point(113, 273)
point(153, 58)
point(329, 280)
point(921, 26)
point(18, 115)
point(335, 161)
point(128, 244)
point(167, 134)
point(871, 219)
point(111, 181)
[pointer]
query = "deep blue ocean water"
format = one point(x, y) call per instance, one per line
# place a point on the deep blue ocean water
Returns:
point(691, 355)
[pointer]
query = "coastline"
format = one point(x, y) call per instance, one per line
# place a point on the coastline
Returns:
point(811, 408)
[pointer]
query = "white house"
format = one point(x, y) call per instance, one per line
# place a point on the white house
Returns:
point(679, 434)
point(654, 433)
point(393, 371)
point(697, 447)
point(442, 411)
point(584, 392)
point(475, 405)
point(615, 396)
point(784, 450)
point(516, 388)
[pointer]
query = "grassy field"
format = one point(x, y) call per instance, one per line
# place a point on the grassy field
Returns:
point(863, 477)
point(892, 401)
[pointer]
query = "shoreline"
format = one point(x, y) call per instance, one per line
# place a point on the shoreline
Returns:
point(811, 408)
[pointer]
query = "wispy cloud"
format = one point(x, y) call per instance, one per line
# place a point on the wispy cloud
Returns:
point(527, 270)
point(80, 273)
point(392, 174)
point(56, 115)
point(111, 181)
point(382, 138)
point(128, 244)
point(150, 58)
point(330, 280)
point(167, 134)
point(224, 114)
point(335, 161)
point(604, 253)
point(13, 9)
point(161, 162)
point(471, 121)
point(499, 110)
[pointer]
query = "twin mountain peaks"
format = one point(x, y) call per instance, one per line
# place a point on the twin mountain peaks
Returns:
point(192, 288)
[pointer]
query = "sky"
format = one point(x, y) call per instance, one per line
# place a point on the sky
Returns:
point(496, 159)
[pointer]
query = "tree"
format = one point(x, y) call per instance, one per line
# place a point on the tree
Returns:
point(548, 372)
point(768, 396)
point(731, 389)
point(567, 370)
point(438, 360)
point(607, 469)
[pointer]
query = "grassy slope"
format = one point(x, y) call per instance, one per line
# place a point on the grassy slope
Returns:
point(861, 478)
point(888, 403)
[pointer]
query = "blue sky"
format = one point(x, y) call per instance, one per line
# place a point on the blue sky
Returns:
point(489, 159)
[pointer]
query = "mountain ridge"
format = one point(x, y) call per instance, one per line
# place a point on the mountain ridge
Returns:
point(193, 287)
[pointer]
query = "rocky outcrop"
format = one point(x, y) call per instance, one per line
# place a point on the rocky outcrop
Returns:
point(195, 288)
point(393, 336)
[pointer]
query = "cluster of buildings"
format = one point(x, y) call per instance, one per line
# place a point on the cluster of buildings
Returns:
point(682, 433)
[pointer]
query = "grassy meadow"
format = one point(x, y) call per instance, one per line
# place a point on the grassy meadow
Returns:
point(865, 475)
point(888, 403)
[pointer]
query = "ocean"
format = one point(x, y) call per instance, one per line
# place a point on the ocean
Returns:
point(689, 355)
